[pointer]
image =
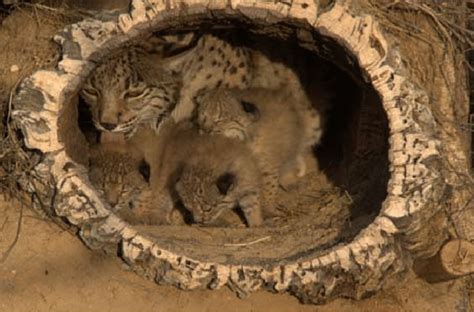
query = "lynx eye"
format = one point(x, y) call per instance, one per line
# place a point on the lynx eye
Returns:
point(90, 92)
point(225, 182)
point(206, 208)
point(134, 93)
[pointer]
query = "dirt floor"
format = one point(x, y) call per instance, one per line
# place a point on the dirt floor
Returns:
point(48, 269)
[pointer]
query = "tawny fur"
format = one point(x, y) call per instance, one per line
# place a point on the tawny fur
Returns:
point(187, 166)
point(142, 85)
point(115, 172)
point(280, 130)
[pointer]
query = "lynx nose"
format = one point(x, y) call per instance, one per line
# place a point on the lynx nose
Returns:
point(108, 126)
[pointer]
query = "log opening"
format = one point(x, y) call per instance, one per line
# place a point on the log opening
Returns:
point(327, 207)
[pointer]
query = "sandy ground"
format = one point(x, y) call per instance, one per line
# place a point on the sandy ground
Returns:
point(48, 269)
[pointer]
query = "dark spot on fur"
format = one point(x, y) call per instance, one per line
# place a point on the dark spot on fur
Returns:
point(219, 83)
point(208, 76)
point(214, 63)
point(304, 5)
point(211, 48)
point(241, 65)
point(233, 70)
point(201, 58)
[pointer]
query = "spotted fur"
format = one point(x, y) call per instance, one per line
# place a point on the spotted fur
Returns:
point(279, 127)
point(219, 112)
point(115, 173)
point(122, 93)
point(134, 87)
point(212, 63)
point(187, 167)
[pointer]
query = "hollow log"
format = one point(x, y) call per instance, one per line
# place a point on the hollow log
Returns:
point(427, 154)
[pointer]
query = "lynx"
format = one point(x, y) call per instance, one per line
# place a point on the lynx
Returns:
point(208, 174)
point(126, 91)
point(116, 173)
point(134, 86)
point(279, 127)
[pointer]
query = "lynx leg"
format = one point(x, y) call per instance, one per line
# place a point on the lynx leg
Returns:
point(300, 166)
point(270, 182)
point(293, 171)
point(250, 205)
point(150, 208)
point(185, 107)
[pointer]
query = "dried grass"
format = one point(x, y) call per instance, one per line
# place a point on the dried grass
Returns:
point(449, 17)
point(16, 162)
point(453, 23)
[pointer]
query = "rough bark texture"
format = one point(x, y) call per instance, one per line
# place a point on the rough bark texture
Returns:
point(412, 221)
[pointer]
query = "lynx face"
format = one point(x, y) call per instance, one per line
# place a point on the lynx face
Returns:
point(219, 111)
point(121, 97)
point(117, 175)
point(206, 194)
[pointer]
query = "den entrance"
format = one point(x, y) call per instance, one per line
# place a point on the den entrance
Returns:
point(340, 194)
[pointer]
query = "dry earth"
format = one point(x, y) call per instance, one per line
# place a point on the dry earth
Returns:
point(49, 269)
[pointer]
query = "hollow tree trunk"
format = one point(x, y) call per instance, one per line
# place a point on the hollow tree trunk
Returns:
point(424, 97)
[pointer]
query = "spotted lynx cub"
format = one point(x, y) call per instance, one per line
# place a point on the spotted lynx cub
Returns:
point(133, 87)
point(272, 123)
point(207, 173)
point(116, 174)
point(220, 112)
point(213, 63)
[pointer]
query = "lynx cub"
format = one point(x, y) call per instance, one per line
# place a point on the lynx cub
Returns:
point(116, 173)
point(213, 63)
point(207, 173)
point(135, 86)
point(279, 128)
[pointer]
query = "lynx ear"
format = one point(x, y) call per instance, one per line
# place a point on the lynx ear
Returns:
point(250, 108)
point(225, 182)
point(144, 170)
